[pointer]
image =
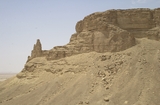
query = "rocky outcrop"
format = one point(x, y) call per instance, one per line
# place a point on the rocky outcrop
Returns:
point(113, 40)
point(37, 50)
point(108, 31)
point(135, 21)
point(128, 77)
point(154, 33)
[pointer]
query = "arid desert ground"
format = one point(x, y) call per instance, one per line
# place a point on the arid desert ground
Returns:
point(4, 76)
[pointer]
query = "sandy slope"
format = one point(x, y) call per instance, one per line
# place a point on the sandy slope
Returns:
point(130, 77)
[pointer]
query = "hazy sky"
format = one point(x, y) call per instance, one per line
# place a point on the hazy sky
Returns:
point(51, 21)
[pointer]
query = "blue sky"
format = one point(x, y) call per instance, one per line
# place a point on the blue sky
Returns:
point(51, 21)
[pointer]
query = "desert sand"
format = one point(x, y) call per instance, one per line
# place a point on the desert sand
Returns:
point(4, 76)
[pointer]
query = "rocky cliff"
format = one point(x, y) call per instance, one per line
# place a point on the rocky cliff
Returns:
point(108, 31)
point(112, 59)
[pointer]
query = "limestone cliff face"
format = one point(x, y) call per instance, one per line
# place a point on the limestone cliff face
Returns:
point(108, 31)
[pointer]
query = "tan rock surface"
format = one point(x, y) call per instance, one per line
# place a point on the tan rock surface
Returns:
point(108, 31)
point(37, 50)
point(103, 64)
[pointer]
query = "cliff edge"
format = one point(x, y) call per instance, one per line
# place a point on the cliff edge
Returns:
point(108, 31)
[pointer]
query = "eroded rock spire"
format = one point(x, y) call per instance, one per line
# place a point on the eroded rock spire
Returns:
point(37, 50)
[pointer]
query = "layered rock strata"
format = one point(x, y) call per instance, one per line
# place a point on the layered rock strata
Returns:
point(108, 31)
